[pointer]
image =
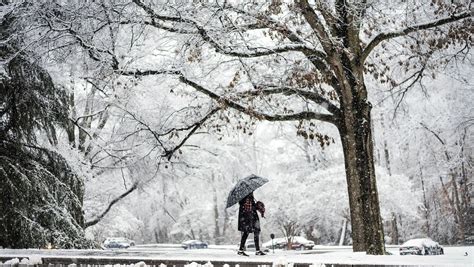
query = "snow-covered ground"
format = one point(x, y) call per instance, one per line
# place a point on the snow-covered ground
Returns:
point(454, 256)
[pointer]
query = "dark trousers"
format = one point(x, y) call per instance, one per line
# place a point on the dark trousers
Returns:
point(255, 238)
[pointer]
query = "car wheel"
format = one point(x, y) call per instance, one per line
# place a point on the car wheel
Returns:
point(425, 251)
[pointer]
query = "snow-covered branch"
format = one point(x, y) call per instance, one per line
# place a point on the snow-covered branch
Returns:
point(313, 96)
point(190, 26)
point(306, 115)
point(315, 23)
point(226, 102)
point(194, 128)
point(113, 202)
point(390, 35)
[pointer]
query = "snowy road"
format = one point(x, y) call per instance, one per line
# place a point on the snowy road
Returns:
point(454, 256)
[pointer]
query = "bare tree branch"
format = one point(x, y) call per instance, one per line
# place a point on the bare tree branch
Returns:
point(168, 152)
point(435, 134)
point(155, 15)
point(390, 35)
point(306, 115)
point(113, 202)
point(94, 52)
point(446, 154)
point(92, 114)
point(195, 127)
point(315, 23)
point(138, 73)
point(417, 77)
point(251, 53)
point(225, 102)
point(315, 97)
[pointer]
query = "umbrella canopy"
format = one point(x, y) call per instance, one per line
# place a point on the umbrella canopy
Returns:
point(244, 187)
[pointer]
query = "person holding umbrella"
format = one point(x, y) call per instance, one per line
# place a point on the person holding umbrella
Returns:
point(249, 222)
point(248, 207)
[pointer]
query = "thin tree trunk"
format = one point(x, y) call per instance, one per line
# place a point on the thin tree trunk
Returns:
point(70, 130)
point(343, 232)
point(387, 157)
point(192, 236)
point(289, 230)
point(400, 221)
point(465, 199)
point(459, 211)
point(226, 223)
point(426, 205)
point(157, 238)
point(102, 121)
point(217, 236)
point(85, 123)
point(386, 153)
point(394, 227)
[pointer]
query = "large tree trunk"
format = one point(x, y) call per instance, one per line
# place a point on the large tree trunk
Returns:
point(356, 136)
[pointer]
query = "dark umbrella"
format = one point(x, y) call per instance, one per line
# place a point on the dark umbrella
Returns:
point(244, 187)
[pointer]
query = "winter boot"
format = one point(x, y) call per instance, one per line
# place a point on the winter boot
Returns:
point(260, 253)
point(242, 253)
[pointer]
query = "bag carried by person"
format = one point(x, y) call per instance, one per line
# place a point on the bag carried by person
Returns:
point(261, 208)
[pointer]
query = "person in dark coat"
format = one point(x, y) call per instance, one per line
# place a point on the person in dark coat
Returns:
point(249, 222)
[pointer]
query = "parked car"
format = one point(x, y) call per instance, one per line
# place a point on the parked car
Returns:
point(250, 246)
point(421, 246)
point(276, 243)
point(191, 244)
point(118, 242)
point(297, 242)
point(469, 240)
